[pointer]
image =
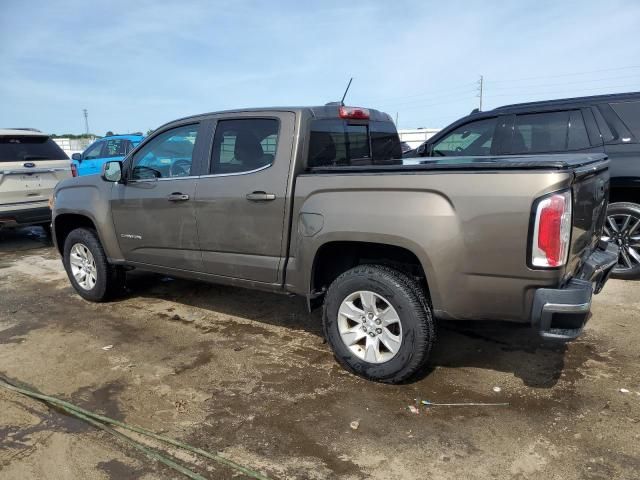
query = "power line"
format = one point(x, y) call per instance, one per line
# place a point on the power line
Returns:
point(543, 85)
point(564, 90)
point(567, 74)
point(430, 93)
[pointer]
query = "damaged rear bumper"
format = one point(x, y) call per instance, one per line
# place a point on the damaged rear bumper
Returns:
point(562, 313)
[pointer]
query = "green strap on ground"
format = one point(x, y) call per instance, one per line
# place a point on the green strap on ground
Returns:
point(102, 422)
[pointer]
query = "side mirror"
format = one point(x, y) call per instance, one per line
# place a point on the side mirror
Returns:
point(112, 171)
point(77, 156)
point(422, 150)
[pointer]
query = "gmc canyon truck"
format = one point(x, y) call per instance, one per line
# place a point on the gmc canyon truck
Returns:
point(317, 202)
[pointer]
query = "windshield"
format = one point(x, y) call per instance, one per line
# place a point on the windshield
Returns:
point(19, 148)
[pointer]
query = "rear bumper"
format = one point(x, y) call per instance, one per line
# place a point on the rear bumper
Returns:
point(27, 216)
point(562, 313)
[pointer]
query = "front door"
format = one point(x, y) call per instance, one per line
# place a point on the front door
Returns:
point(90, 165)
point(153, 212)
point(241, 204)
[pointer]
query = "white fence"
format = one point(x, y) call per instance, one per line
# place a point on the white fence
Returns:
point(416, 136)
point(73, 145)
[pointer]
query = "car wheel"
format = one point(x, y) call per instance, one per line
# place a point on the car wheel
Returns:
point(378, 323)
point(622, 228)
point(87, 267)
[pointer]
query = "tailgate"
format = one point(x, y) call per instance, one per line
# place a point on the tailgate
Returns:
point(24, 183)
point(590, 198)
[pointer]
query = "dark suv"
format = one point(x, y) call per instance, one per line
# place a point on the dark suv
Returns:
point(605, 123)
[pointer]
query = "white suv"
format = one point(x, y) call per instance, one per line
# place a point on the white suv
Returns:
point(31, 164)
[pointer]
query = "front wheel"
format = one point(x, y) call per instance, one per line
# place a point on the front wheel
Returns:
point(378, 323)
point(87, 267)
point(622, 228)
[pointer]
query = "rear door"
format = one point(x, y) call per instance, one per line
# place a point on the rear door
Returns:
point(153, 212)
point(30, 168)
point(241, 203)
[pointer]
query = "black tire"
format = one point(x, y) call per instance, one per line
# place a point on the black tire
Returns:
point(406, 296)
point(619, 211)
point(109, 278)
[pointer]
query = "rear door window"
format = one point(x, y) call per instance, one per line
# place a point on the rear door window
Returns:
point(629, 113)
point(20, 148)
point(471, 139)
point(577, 138)
point(244, 145)
point(115, 147)
point(540, 132)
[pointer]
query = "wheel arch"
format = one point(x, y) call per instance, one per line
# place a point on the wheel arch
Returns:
point(335, 257)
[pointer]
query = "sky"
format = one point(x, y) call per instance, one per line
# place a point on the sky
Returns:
point(136, 65)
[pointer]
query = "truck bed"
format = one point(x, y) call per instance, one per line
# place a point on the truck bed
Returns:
point(525, 162)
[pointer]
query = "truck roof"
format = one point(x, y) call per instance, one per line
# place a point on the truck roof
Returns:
point(318, 112)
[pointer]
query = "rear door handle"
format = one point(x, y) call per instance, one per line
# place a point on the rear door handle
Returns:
point(178, 197)
point(261, 196)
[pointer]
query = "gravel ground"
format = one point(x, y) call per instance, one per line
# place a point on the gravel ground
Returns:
point(247, 374)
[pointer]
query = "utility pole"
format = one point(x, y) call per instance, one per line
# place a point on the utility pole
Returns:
point(480, 88)
point(396, 119)
point(86, 120)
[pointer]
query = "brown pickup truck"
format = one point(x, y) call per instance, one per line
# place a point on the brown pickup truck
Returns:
point(317, 201)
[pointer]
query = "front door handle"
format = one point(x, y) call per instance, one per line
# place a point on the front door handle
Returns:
point(261, 196)
point(178, 197)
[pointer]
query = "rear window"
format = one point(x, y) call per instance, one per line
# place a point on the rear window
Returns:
point(629, 113)
point(340, 143)
point(21, 148)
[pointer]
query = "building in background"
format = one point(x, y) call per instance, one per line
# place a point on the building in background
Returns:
point(73, 145)
point(415, 136)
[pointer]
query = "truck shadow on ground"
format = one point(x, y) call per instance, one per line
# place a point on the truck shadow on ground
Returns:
point(498, 346)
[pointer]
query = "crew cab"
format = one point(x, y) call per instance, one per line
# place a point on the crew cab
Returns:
point(316, 201)
point(607, 124)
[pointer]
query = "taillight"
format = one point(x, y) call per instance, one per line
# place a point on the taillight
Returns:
point(551, 231)
point(74, 170)
point(355, 113)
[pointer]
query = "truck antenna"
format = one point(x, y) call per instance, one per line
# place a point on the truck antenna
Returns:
point(345, 92)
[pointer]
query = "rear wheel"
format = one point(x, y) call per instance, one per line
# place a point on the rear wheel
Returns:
point(378, 323)
point(622, 228)
point(87, 267)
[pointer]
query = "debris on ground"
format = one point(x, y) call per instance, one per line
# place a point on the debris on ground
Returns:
point(464, 404)
point(624, 390)
point(355, 424)
point(181, 405)
point(497, 389)
point(107, 347)
point(414, 409)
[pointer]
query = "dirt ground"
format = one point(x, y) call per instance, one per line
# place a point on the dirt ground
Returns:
point(247, 374)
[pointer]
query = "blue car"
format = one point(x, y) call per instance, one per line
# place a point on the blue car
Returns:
point(115, 147)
